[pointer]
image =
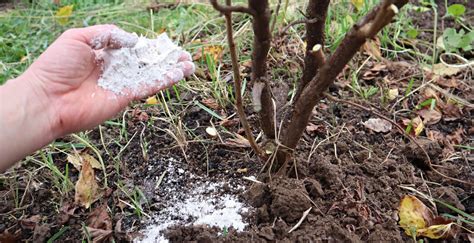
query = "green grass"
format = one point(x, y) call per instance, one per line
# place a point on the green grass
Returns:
point(30, 30)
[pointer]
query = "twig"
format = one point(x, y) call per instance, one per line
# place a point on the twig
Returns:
point(275, 18)
point(229, 9)
point(297, 22)
point(305, 214)
point(238, 84)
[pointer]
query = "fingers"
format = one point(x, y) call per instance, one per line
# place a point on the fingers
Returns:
point(101, 36)
point(114, 38)
point(185, 64)
point(187, 68)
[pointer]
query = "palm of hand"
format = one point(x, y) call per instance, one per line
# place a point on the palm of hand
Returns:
point(68, 72)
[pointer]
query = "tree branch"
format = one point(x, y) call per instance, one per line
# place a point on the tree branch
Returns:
point(313, 92)
point(229, 8)
point(317, 9)
point(261, 47)
point(238, 84)
point(297, 22)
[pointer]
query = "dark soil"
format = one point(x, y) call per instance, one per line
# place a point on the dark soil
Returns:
point(350, 176)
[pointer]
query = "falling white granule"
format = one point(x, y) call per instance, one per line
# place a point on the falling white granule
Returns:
point(144, 65)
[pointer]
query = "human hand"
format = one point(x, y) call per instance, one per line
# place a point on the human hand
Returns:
point(65, 78)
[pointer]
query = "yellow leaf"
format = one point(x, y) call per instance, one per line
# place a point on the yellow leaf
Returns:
point(63, 14)
point(78, 159)
point(214, 51)
point(358, 4)
point(436, 231)
point(392, 94)
point(86, 186)
point(151, 100)
point(419, 126)
point(413, 214)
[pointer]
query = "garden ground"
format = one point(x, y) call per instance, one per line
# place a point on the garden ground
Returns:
point(160, 151)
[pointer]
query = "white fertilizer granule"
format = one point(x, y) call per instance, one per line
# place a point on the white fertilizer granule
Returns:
point(134, 69)
point(200, 203)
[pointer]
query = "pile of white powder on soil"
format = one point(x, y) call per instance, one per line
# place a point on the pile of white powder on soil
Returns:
point(143, 65)
point(203, 203)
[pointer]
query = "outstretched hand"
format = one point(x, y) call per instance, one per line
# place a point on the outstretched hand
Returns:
point(59, 93)
point(67, 74)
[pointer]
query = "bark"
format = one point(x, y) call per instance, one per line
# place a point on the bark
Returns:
point(316, 10)
point(313, 92)
point(261, 47)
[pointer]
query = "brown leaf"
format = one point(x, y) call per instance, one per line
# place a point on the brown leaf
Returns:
point(99, 218)
point(65, 213)
point(429, 116)
point(78, 159)
point(378, 125)
point(447, 83)
point(211, 103)
point(313, 128)
point(456, 137)
point(41, 233)
point(435, 136)
point(229, 122)
point(86, 186)
point(31, 222)
point(99, 235)
point(239, 141)
point(442, 70)
point(451, 112)
point(372, 47)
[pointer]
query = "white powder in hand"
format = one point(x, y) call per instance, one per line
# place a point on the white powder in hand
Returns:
point(140, 67)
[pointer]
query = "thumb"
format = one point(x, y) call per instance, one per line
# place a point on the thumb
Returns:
point(102, 36)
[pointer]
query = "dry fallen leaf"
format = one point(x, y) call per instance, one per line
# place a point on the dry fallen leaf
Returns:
point(429, 116)
point(378, 125)
point(239, 141)
point(456, 137)
point(86, 187)
point(30, 223)
point(413, 214)
point(312, 127)
point(442, 70)
point(78, 159)
point(152, 100)
point(372, 47)
point(99, 235)
point(418, 220)
point(63, 14)
point(99, 218)
point(437, 231)
point(214, 51)
point(41, 233)
point(211, 103)
point(392, 94)
point(418, 125)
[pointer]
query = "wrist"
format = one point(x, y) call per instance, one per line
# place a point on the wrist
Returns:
point(34, 112)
